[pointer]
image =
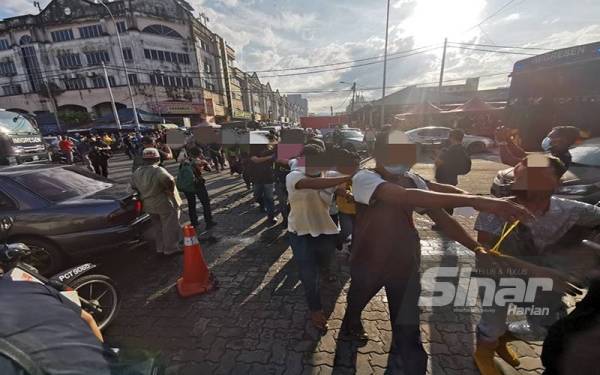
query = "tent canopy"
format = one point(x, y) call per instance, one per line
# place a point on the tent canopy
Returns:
point(425, 108)
point(474, 105)
point(126, 116)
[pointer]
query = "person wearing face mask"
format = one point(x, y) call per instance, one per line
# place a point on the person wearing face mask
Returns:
point(536, 178)
point(311, 231)
point(557, 143)
point(386, 248)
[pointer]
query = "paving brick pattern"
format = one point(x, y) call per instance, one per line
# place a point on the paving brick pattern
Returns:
point(256, 322)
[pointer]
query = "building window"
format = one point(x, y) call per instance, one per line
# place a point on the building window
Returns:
point(69, 60)
point(4, 45)
point(209, 86)
point(8, 68)
point(12, 90)
point(25, 40)
point(133, 79)
point(62, 35)
point(157, 79)
point(204, 45)
point(127, 54)
point(92, 31)
point(99, 82)
point(183, 58)
point(121, 27)
point(97, 57)
point(75, 83)
point(207, 67)
point(162, 30)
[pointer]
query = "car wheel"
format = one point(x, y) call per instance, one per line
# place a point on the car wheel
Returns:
point(476, 148)
point(45, 256)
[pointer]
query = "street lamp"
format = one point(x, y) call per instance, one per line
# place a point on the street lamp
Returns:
point(133, 107)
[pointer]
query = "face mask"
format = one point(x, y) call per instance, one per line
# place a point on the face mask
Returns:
point(546, 144)
point(397, 169)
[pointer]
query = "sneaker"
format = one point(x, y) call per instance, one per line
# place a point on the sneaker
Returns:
point(271, 222)
point(356, 334)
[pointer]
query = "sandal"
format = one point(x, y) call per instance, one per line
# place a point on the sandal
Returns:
point(319, 320)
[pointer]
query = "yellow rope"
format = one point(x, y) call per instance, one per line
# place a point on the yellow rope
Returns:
point(505, 232)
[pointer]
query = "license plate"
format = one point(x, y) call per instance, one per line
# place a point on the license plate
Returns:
point(35, 158)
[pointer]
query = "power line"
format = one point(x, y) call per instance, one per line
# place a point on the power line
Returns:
point(342, 62)
point(492, 51)
point(506, 5)
point(201, 74)
point(497, 46)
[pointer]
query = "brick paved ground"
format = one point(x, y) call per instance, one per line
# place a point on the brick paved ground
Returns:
point(256, 322)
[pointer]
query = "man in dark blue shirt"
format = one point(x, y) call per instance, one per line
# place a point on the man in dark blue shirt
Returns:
point(50, 330)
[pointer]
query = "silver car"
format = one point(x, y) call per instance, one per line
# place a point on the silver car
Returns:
point(438, 135)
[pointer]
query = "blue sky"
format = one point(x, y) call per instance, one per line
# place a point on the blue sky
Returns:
point(275, 34)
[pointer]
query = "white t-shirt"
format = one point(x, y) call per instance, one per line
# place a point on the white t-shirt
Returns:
point(309, 213)
point(365, 182)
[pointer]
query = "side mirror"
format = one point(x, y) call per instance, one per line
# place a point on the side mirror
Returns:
point(5, 224)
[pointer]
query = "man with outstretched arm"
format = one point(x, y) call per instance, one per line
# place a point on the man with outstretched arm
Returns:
point(386, 250)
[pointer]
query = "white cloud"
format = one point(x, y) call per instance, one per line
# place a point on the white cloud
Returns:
point(511, 17)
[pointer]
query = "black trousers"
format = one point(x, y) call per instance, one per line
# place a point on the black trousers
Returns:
point(100, 166)
point(407, 355)
point(202, 194)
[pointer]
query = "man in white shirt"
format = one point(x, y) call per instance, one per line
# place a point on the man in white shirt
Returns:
point(386, 249)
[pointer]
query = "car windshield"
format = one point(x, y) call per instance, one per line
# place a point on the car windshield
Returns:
point(352, 134)
point(586, 155)
point(14, 123)
point(59, 185)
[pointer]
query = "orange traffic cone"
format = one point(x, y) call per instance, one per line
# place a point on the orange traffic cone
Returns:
point(196, 278)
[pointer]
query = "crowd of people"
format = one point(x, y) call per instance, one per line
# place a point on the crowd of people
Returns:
point(327, 201)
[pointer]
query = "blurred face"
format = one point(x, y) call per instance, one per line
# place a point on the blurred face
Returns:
point(535, 175)
point(399, 152)
point(347, 168)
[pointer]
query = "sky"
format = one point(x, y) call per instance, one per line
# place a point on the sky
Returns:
point(272, 35)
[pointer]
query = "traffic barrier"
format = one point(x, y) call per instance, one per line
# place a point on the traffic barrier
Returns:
point(196, 278)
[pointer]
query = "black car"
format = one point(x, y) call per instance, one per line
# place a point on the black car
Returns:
point(581, 182)
point(64, 213)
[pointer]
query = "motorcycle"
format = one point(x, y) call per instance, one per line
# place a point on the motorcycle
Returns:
point(97, 294)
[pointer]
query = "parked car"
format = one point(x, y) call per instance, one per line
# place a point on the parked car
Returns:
point(581, 182)
point(64, 212)
point(352, 139)
point(438, 135)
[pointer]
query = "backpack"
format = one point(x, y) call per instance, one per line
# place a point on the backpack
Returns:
point(186, 178)
point(466, 166)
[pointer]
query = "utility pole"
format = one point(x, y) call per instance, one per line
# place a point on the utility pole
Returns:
point(54, 106)
point(122, 54)
point(353, 100)
point(442, 72)
point(387, 29)
point(331, 108)
point(112, 98)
